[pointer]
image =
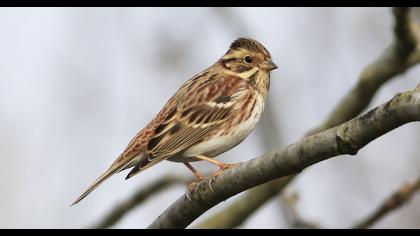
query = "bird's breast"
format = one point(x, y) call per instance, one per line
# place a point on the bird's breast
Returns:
point(233, 133)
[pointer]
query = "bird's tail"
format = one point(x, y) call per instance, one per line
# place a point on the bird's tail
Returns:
point(95, 184)
point(115, 168)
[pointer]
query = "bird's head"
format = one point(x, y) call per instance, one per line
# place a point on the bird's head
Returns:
point(246, 56)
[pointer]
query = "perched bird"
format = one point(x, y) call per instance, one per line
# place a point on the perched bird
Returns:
point(211, 113)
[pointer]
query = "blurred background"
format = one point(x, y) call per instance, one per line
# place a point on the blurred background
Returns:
point(76, 84)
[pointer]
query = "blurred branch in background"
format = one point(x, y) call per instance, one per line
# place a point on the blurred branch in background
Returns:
point(294, 220)
point(121, 209)
point(347, 138)
point(234, 22)
point(395, 60)
point(400, 197)
point(401, 55)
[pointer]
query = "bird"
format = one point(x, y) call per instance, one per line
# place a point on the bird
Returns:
point(210, 114)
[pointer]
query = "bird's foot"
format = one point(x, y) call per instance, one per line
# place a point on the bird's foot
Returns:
point(191, 186)
point(222, 167)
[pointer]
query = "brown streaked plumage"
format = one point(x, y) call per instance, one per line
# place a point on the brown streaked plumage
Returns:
point(210, 114)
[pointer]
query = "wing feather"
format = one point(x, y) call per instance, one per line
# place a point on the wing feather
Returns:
point(195, 120)
point(198, 113)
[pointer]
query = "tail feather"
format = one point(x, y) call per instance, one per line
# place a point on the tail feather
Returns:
point(115, 168)
point(142, 165)
point(95, 184)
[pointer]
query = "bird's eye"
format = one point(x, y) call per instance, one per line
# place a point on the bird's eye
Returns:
point(248, 59)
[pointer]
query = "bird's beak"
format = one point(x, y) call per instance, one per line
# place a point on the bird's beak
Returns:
point(268, 65)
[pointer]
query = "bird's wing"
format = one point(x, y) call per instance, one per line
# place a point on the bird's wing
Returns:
point(204, 107)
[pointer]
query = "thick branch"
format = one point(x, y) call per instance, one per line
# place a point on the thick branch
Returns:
point(140, 196)
point(347, 138)
point(393, 202)
point(237, 212)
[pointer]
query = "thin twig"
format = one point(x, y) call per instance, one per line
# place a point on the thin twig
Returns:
point(293, 218)
point(400, 197)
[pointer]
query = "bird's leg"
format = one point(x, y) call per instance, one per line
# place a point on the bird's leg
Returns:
point(196, 173)
point(198, 177)
point(222, 166)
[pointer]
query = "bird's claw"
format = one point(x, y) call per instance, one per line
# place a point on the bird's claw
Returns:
point(221, 169)
point(210, 180)
point(191, 187)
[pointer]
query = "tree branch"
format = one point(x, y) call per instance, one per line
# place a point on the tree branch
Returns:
point(393, 202)
point(400, 197)
point(140, 196)
point(294, 220)
point(397, 58)
point(347, 138)
point(237, 212)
